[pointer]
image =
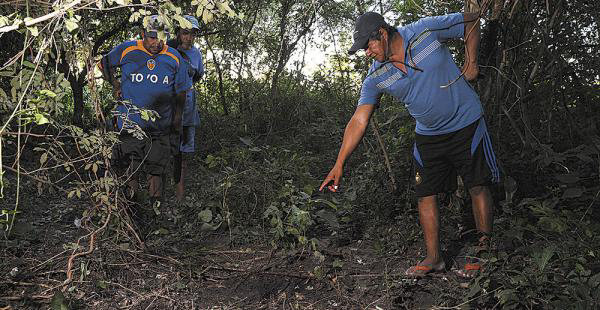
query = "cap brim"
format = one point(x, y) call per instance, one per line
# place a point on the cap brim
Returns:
point(358, 45)
point(151, 34)
point(154, 34)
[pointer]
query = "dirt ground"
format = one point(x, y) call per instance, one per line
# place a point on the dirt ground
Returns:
point(182, 268)
point(359, 266)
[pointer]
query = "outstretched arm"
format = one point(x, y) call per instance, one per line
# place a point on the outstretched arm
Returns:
point(354, 132)
point(472, 36)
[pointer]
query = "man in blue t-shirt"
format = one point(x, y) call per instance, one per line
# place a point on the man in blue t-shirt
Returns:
point(184, 43)
point(413, 64)
point(153, 77)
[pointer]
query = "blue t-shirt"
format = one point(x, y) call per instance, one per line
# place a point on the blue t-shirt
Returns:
point(437, 110)
point(150, 82)
point(190, 112)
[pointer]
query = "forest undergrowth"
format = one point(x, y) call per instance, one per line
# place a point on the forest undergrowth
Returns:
point(255, 231)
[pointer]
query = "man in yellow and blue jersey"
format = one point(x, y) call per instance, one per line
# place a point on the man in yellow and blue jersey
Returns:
point(153, 77)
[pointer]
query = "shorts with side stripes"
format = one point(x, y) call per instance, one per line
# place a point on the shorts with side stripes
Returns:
point(439, 159)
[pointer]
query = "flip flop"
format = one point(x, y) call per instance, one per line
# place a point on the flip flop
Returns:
point(419, 270)
point(469, 269)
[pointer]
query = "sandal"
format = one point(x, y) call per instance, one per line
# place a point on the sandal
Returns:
point(469, 268)
point(425, 269)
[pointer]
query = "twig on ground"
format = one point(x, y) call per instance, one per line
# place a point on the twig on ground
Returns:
point(89, 251)
point(48, 260)
point(123, 287)
point(157, 257)
point(25, 284)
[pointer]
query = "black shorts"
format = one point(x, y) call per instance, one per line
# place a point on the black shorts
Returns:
point(467, 152)
point(150, 155)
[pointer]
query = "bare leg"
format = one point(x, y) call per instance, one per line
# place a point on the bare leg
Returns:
point(483, 208)
point(155, 186)
point(180, 186)
point(430, 222)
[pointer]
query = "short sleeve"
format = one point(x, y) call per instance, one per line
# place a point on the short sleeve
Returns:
point(183, 82)
point(446, 27)
point(114, 56)
point(369, 93)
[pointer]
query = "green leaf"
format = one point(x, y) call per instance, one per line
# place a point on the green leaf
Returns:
point(101, 284)
point(199, 10)
point(302, 239)
point(33, 30)
point(4, 21)
point(308, 189)
point(71, 24)
point(553, 223)
point(40, 119)
point(160, 231)
point(292, 230)
point(43, 158)
point(543, 258)
point(184, 23)
point(246, 141)
point(47, 93)
point(209, 227)
point(207, 16)
point(144, 114)
point(29, 64)
point(205, 215)
point(134, 17)
point(58, 301)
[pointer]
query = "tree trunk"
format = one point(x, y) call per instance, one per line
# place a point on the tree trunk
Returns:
point(78, 104)
point(281, 56)
point(220, 75)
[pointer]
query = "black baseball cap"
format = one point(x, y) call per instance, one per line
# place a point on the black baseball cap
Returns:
point(365, 25)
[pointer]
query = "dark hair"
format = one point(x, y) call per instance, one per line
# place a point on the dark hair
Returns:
point(375, 35)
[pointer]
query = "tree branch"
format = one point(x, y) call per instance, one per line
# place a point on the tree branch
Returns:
point(29, 23)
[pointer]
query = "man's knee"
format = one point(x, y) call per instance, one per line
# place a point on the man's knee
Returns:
point(427, 200)
point(478, 190)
